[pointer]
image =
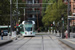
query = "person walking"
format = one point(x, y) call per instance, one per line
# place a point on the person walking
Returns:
point(38, 29)
point(2, 34)
point(66, 34)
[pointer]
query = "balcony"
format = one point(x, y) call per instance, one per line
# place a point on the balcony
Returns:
point(32, 19)
point(33, 12)
point(32, 5)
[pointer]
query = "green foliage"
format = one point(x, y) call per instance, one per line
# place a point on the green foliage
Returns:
point(5, 10)
point(53, 12)
point(44, 6)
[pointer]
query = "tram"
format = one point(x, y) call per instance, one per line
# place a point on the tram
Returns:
point(5, 30)
point(27, 28)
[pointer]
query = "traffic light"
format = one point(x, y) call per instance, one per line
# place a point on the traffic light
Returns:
point(51, 24)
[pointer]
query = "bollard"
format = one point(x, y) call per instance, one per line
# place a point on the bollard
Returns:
point(54, 32)
point(48, 31)
point(8, 36)
point(51, 31)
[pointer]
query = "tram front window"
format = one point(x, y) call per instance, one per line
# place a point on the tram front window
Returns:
point(28, 29)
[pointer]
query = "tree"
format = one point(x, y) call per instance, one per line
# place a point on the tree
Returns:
point(5, 11)
point(44, 5)
point(53, 12)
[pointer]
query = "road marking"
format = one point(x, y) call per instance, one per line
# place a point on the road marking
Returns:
point(70, 41)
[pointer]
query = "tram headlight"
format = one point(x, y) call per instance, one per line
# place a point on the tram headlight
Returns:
point(25, 32)
point(31, 32)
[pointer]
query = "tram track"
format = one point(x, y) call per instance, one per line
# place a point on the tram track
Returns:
point(24, 43)
point(13, 43)
point(61, 47)
point(17, 42)
point(50, 37)
point(55, 42)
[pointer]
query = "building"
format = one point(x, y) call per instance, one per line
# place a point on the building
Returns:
point(72, 10)
point(33, 10)
point(65, 0)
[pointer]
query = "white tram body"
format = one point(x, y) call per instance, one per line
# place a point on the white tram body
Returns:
point(27, 28)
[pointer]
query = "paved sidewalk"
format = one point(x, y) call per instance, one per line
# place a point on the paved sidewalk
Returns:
point(5, 37)
point(5, 40)
point(69, 42)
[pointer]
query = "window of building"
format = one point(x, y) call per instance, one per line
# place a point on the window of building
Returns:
point(74, 7)
point(65, 0)
point(28, 1)
point(36, 1)
point(73, 0)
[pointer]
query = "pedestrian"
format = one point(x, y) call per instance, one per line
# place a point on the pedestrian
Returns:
point(66, 34)
point(2, 34)
point(38, 29)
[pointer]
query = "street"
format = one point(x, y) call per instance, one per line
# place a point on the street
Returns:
point(46, 25)
point(39, 42)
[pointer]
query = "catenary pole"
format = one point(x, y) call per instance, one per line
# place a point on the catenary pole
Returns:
point(17, 9)
point(68, 23)
point(11, 15)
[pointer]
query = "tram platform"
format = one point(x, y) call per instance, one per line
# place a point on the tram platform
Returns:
point(6, 41)
point(3, 42)
point(69, 42)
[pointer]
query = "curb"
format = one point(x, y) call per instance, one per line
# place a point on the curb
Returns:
point(68, 44)
point(5, 42)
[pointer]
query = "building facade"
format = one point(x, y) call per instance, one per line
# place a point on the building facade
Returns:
point(33, 10)
point(72, 10)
